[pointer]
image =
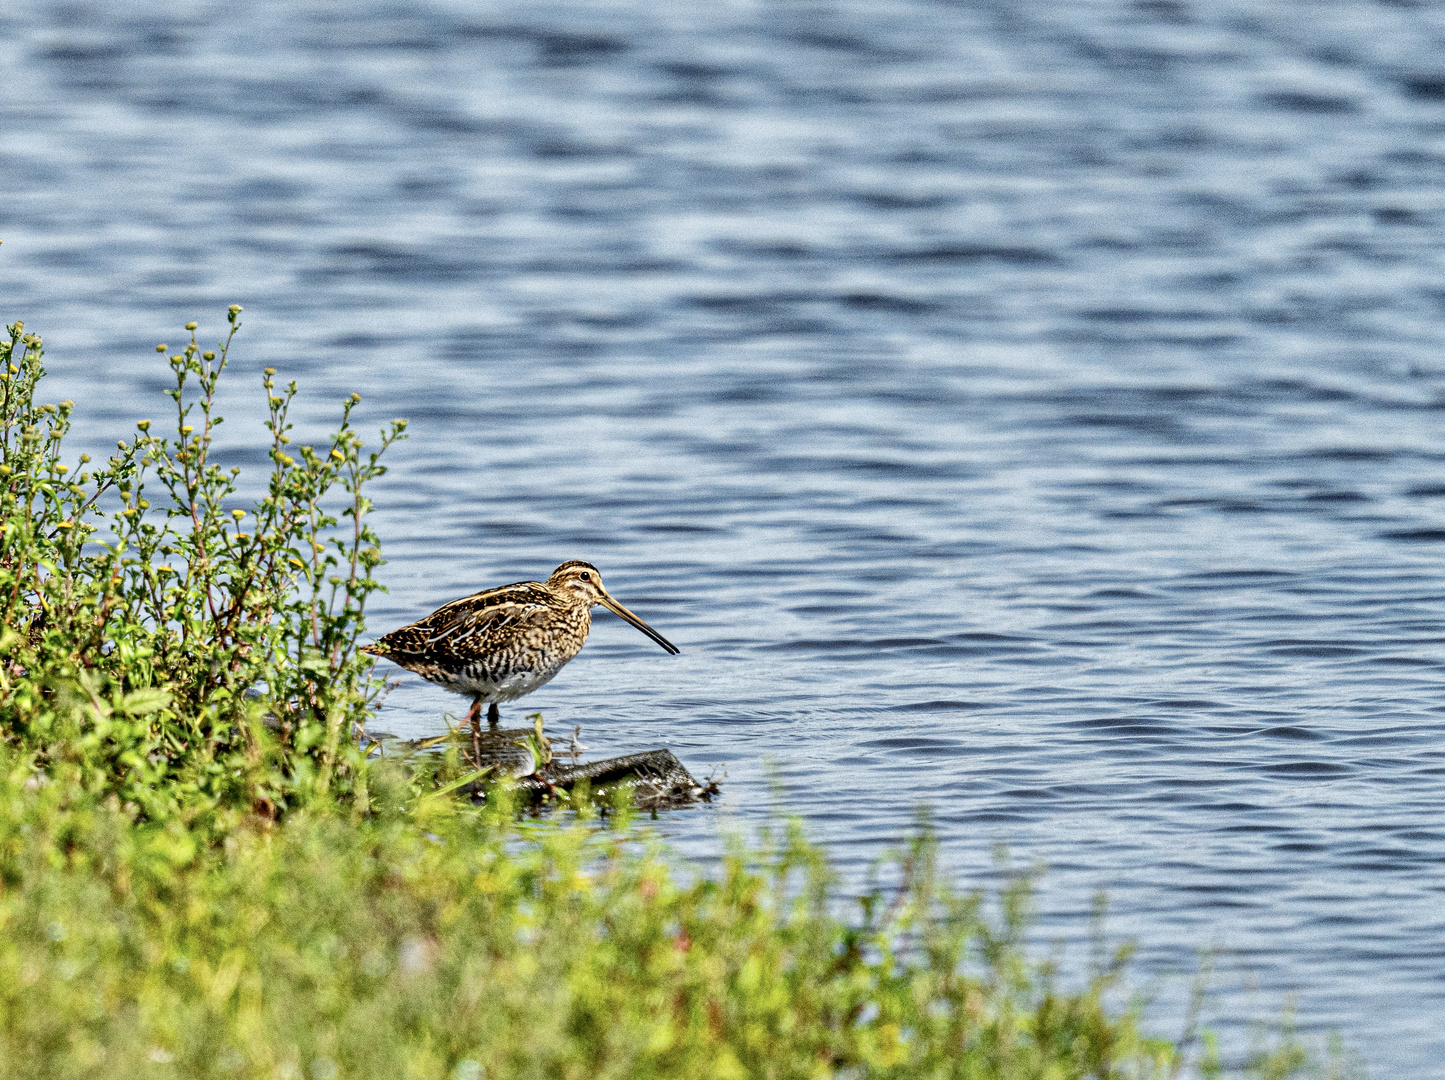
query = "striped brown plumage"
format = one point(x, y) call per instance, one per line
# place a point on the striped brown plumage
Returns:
point(502, 643)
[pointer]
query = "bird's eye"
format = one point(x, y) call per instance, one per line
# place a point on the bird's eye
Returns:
point(586, 576)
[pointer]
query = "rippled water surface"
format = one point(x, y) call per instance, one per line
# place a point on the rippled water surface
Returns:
point(1031, 409)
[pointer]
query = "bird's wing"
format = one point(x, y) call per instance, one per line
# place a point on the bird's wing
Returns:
point(472, 625)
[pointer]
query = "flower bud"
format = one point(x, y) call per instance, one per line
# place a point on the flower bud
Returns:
point(144, 425)
point(162, 347)
point(190, 326)
point(270, 371)
point(208, 356)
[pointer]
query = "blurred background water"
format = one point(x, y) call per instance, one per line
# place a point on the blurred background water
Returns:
point(1031, 409)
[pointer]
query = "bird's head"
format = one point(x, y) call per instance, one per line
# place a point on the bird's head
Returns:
point(583, 580)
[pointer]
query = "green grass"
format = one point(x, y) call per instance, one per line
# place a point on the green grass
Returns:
point(443, 941)
point(202, 876)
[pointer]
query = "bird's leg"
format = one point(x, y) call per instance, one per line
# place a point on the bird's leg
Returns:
point(474, 717)
point(494, 715)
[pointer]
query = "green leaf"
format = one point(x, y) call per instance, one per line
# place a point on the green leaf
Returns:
point(142, 702)
point(461, 781)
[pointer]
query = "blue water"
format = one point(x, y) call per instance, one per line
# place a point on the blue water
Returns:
point(1033, 409)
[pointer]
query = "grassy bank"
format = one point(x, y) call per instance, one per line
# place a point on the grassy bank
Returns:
point(433, 940)
point(202, 875)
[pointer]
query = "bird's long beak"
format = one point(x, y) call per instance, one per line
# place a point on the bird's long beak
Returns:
point(622, 613)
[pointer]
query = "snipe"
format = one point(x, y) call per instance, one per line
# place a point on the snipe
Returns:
point(500, 644)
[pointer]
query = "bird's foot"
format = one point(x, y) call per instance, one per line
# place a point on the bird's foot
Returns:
point(474, 717)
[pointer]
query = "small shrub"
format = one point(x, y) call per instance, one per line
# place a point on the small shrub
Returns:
point(194, 649)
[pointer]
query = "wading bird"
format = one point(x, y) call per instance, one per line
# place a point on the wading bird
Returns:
point(500, 644)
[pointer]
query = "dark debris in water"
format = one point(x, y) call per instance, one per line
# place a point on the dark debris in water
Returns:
point(653, 779)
